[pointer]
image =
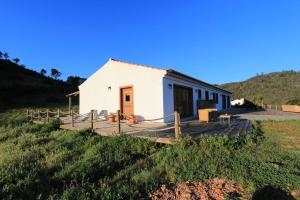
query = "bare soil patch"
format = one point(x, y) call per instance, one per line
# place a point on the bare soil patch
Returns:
point(212, 189)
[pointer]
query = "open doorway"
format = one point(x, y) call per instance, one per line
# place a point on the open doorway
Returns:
point(183, 100)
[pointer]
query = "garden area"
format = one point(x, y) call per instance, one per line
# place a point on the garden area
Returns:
point(41, 161)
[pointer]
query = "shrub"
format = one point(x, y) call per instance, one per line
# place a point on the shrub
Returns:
point(293, 102)
point(249, 159)
point(41, 161)
point(13, 118)
point(49, 127)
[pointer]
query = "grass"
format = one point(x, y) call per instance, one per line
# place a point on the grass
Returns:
point(44, 162)
point(284, 133)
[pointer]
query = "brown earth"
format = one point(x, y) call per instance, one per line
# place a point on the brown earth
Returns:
point(213, 189)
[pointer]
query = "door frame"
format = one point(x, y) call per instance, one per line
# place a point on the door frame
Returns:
point(121, 97)
point(191, 96)
point(224, 102)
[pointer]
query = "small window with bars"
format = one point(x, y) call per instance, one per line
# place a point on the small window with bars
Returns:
point(199, 94)
point(206, 95)
point(216, 97)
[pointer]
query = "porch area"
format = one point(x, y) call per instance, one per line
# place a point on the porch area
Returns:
point(161, 132)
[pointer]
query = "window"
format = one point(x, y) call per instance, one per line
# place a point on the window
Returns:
point(206, 95)
point(216, 97)
point(223, 102)
point(199, 94)
point(127, 97)
point(228, 102)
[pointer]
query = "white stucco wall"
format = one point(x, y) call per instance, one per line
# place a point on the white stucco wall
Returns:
point(169, 98)
point(147, 89)
point(152, 96)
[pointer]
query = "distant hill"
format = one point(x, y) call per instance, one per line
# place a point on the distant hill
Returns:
point(272, 88)
point(24, 87)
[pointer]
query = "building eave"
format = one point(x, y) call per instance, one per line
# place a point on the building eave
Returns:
point(73, 94)
point(176, 74)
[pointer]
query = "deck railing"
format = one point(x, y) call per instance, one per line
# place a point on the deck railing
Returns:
point(72, 118)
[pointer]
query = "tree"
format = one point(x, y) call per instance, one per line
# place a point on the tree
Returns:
point(75, 81)
point(16, 60)
point(55, 73)
point(6, 56)
point(43, 72)
point(1, 54)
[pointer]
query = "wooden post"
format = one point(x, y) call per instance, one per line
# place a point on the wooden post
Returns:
point(119, 121)
point(39, 115)
point(47, 115)
point(92, 119)
point(276, 107)
point(177, 124)
point(27, 114)
point(58, 116)
point(70, 104)
point(72, 117)
point(31, 115)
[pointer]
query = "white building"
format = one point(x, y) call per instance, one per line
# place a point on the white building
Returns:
point(238, 102)
point(146, 92)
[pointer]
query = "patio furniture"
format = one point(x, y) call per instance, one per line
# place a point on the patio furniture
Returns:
point(208, 115)
point(132, 120)
point(112, 118)
point(225, 117)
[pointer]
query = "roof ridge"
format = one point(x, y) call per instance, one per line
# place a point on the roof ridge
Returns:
point(172, 71)
point(130, 63)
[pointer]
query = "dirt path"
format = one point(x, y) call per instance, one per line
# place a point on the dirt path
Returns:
point(269, 115)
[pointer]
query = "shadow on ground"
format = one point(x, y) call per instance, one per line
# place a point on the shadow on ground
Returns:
point(272, 193)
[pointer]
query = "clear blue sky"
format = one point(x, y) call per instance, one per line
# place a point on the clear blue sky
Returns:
point(215, 41)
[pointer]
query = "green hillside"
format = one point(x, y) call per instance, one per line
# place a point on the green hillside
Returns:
point(273, 88)
point(24, 87)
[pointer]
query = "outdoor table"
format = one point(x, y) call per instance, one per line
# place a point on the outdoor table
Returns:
point(224, 117)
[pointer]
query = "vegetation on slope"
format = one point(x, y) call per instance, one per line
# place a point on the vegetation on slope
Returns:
point(274, 88)
point(24, 87)
point(41, 161)
point(294, 102)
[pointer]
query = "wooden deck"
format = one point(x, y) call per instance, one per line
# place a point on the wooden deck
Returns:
point(162, 133)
